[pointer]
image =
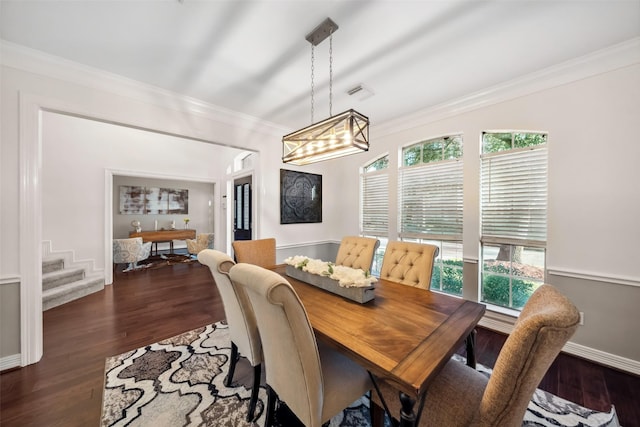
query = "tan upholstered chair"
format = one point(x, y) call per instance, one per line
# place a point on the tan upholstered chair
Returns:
point(357, 252)
point(243, 328)
point(409, 263)
point(260, 252)
point(201, 242)
point(460, 396)
point(130, 251)
point(315, 381)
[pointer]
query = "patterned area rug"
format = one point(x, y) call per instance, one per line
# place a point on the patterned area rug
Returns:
point(179, 382)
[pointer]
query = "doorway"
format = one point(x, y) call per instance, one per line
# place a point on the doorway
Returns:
point(242, 211)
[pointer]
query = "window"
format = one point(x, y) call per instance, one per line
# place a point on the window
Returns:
point(430, 193)
point(513, 204)
point(374, 204)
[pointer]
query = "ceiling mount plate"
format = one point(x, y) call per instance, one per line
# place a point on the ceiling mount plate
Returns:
point(321, 32)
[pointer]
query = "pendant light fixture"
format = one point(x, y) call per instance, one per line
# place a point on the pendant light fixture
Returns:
point(340, 135)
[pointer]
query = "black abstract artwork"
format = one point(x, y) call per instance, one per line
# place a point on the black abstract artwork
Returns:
point(300, 197)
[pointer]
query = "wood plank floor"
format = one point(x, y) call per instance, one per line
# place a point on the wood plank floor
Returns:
point(65, 387)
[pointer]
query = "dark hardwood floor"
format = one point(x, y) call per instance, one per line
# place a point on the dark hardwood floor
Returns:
point(142, 307)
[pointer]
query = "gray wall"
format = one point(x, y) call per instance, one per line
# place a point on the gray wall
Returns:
point(201, 214)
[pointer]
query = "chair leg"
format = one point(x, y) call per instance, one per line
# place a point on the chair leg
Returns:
point(232, 364)
point(271, 407)
point(257, 372)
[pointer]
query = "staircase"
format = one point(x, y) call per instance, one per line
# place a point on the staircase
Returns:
point(61, 285)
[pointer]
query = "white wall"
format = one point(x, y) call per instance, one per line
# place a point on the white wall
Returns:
point(73, 185)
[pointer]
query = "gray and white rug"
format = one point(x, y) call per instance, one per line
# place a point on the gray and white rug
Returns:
point(179, 382)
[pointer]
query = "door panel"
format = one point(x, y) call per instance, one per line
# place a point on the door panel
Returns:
point(242, 220)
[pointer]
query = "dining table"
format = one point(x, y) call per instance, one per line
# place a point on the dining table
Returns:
point(404, 336)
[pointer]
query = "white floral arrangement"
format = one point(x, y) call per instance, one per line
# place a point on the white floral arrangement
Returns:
point(346, 277)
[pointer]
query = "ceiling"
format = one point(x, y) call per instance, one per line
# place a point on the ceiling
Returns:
point(252, 56)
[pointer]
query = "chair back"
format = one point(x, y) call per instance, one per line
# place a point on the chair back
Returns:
point(201, 242)
point(546, 323)
point(130, 250)
point(260, 252)
point(243, 328)
point(357, 252)
point(290, 349)
point(205, 240)
point(409, 263)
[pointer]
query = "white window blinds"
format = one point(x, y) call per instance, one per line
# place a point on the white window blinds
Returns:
point(431, 201)
point(514, 197)
point(375, 203)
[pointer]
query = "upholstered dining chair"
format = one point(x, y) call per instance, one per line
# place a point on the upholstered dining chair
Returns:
point(260, 252)
point(409, 263)
point(130, 251)
point(315, 381)
point(201, 242)
point(243, 328)
point(461, 396)
point(357, 252)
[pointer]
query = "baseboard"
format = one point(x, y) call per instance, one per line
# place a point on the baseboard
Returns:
point(504, 323)
point(9, 362)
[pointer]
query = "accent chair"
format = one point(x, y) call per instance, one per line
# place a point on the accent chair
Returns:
point(357, 252)
point(315, 381)
point(409, 263)
point(201, 242)
point(130, 251)
point(461, 396)
point(243, 328)
point(260, 252)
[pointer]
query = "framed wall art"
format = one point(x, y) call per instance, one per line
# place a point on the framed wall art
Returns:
point(300, 197)
point(153, 200)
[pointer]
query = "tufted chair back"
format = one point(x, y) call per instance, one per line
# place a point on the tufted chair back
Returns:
point(357, 252)
point(409, 263)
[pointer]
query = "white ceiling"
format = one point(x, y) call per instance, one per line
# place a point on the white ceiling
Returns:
point(252, 56)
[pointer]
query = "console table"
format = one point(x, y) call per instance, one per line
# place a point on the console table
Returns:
point(164, 236)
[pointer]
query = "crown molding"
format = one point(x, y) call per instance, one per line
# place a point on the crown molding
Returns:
point(37, 62)
point(605, 60)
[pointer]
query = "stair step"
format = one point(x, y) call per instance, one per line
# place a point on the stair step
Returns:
point(61, 277)
point(51, 264)
point(71, 291)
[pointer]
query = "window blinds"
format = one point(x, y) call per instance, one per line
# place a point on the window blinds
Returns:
point(431, 201)
point(514, 197)
point(375, 203)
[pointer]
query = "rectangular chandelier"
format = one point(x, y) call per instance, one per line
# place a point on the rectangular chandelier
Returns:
point(340, 135)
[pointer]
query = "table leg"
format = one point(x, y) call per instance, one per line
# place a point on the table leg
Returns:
point(407, 416)
point(471, 349)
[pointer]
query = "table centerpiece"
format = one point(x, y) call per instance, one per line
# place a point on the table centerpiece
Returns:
point(352, 283)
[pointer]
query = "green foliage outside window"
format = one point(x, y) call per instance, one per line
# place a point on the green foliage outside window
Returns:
point(433, 150)
point(449, 274)
point(376, 165)
point(495, 142)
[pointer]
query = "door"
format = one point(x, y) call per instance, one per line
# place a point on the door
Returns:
point(242, 221)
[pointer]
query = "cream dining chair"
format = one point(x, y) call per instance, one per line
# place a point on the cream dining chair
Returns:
point(357, 252)
point(260, 252)
point(315, 381)
point(409, 263)
point(243, 328)
point(461, 396)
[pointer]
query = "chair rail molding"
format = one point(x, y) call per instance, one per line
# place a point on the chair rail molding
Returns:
point(595, 276)
point(504, 323)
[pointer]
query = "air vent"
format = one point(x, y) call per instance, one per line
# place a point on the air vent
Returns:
point(360, 92)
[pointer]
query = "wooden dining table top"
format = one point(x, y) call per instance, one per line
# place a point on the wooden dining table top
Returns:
point(404, 336)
